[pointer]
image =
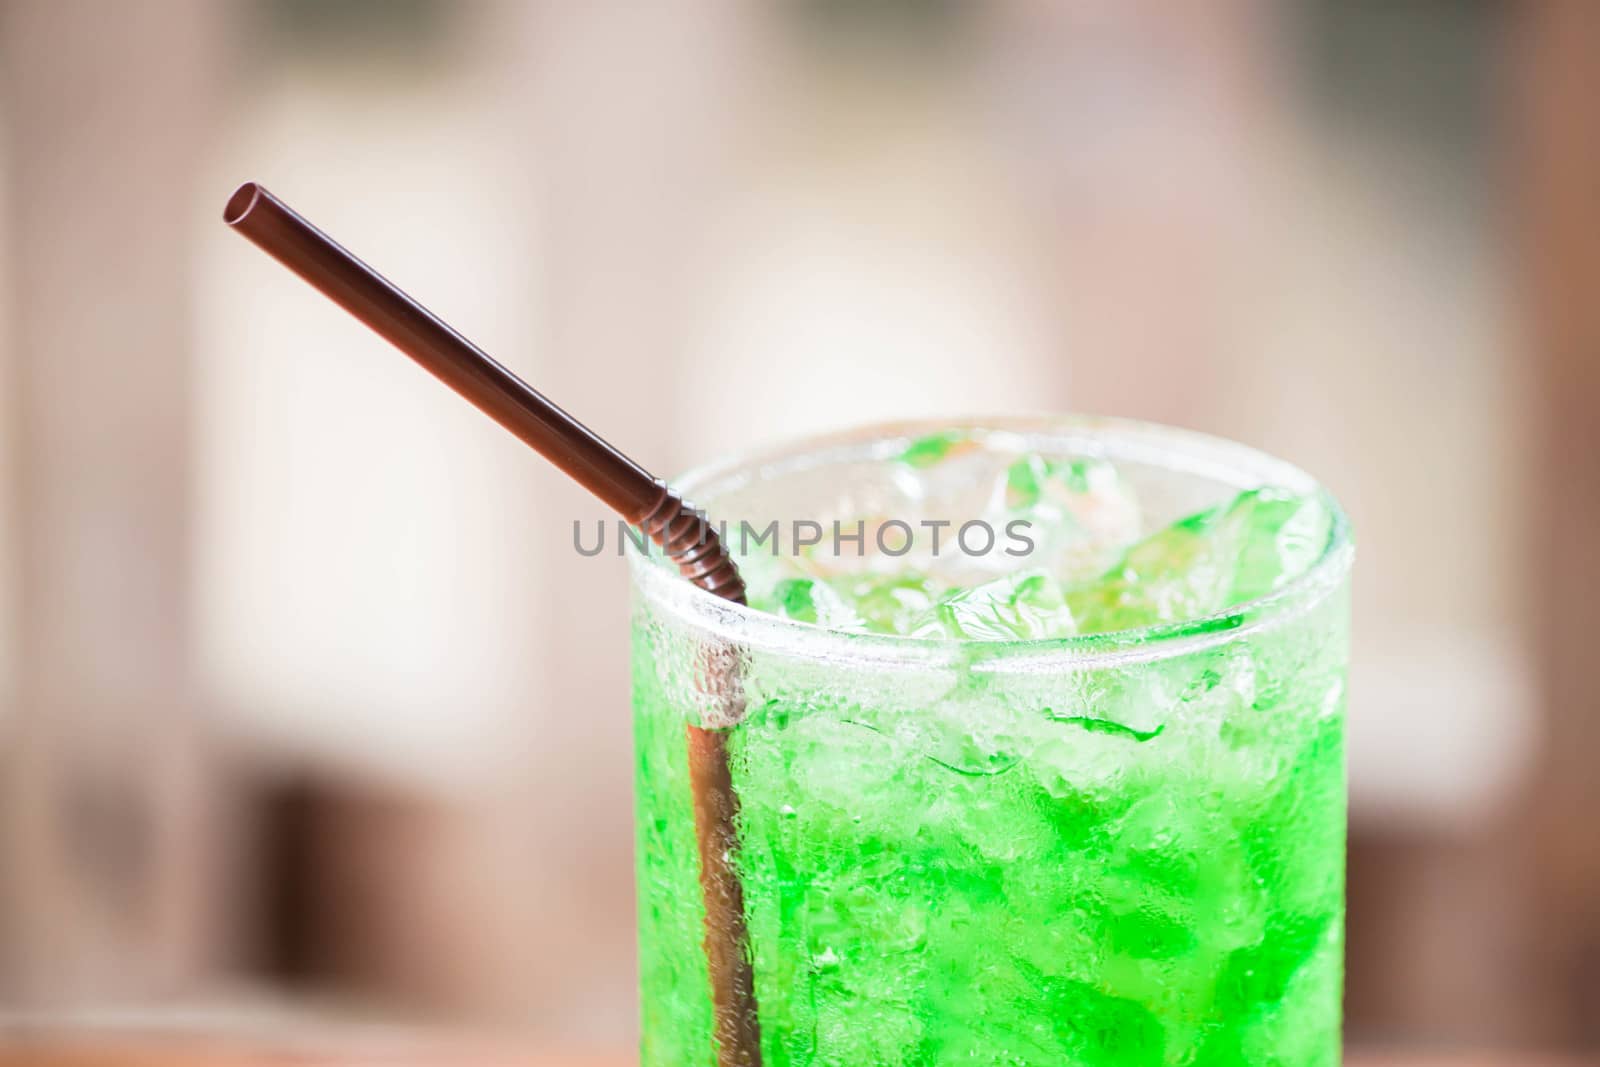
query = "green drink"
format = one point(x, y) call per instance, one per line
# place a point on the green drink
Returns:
point(1081, 804)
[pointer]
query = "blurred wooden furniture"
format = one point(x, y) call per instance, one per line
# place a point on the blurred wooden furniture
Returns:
point(104, 893)
point(1552, 839)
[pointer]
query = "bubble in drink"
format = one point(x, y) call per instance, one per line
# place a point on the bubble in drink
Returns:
point(1092, 813)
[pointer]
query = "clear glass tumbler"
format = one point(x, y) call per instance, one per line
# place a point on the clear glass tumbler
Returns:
point(1118, 849)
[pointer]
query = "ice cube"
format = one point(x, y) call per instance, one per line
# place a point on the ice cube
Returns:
point(890, 604)
point(812, 601)
point(1206, 562)
point(1023, 606)
point(1276, 535)
point(1080, 513)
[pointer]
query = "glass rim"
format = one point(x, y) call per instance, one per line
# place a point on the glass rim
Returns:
point(1168, 448)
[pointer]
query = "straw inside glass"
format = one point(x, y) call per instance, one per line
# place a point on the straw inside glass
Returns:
point(684, 535)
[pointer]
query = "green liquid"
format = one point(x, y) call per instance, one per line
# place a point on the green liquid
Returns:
point(1130, 865)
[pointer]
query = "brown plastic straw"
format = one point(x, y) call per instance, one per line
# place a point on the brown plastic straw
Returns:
point(683, 534)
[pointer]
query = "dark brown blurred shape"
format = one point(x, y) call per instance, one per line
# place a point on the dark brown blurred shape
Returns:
point(356, 897)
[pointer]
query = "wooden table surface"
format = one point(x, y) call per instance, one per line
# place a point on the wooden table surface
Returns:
point(58, 1051)
point(144, 1052)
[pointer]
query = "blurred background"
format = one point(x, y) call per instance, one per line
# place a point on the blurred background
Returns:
point(307, 708)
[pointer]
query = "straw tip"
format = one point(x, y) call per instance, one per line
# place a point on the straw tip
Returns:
point(239, 204)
